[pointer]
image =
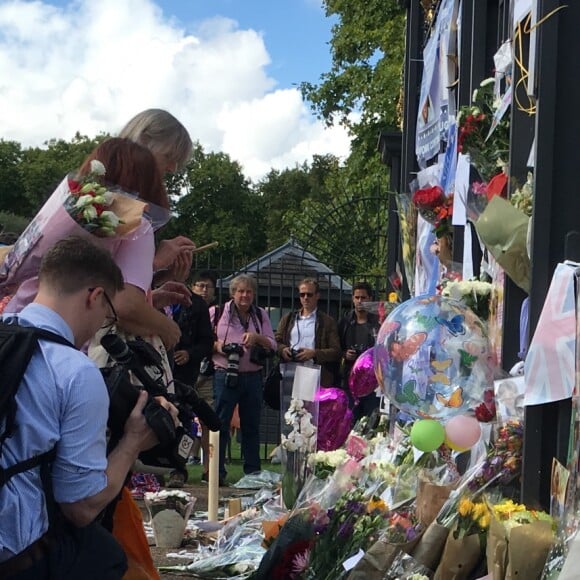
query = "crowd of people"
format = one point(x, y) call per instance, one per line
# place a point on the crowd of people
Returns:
point(71, 514)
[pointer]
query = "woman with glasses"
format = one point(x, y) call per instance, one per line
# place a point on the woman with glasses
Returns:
point(309, 336)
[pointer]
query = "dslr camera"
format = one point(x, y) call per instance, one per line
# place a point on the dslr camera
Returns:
point(294, 352)
point(259, 354)
point(233, 352)
point(139, 359)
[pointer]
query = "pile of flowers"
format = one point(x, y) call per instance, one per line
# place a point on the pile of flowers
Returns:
point(474, 293)
point(485, 139)
point(436, 208)
point(89, 200)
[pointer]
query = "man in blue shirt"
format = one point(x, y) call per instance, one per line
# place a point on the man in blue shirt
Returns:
point(62, 402)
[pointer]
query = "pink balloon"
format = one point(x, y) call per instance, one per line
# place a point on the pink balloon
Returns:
point(334, 418)
point(362, 380)
point(462, 432)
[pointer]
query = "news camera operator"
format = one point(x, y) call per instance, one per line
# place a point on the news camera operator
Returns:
point(47, 520)
point(244, 340)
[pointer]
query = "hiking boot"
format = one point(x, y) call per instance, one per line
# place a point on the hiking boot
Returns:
point(176, 480)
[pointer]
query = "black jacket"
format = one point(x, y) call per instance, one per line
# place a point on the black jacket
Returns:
point(196, 338)
point(346, 333)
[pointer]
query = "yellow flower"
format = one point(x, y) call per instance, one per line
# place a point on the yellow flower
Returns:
point(393, 297)
point(465, 507)
point(479, 510)
point(376, 504)
point(484, 521)
point(505, 509)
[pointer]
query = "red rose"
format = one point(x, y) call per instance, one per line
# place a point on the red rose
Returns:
point(429, 197)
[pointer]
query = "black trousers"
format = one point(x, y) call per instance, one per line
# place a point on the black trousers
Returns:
point(88, 553)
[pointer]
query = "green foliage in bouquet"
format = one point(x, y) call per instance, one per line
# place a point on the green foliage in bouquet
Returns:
point(487, 152)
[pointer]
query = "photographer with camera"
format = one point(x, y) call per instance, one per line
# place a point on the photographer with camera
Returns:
point(245, 340)
point(310, 336)
point(358, 331)
point(47, 521)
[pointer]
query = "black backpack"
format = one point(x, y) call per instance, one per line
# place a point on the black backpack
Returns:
point(17, 345)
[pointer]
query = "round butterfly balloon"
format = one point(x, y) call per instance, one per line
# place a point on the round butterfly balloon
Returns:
point(432, 358)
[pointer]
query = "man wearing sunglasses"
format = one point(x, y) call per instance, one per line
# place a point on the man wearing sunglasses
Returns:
point(47, 520)
point(310, 336)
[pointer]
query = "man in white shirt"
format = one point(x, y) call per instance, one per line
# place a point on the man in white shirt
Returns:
point(309, 335)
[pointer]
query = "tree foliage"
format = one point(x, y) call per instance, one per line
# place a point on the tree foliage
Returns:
point(367, 49)
point(219, 205)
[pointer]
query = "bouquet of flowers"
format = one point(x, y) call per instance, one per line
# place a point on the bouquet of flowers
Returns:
point(481, 134)
point(519, 541)
point(324, 463)
point(402, 534)
point(504, 461)
point(81, 207)
point(436, 208)
point(474, 293)
point(523, 197)
point(354, 523)
point(465, 545)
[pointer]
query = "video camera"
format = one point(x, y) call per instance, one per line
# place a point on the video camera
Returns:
point(144, 362)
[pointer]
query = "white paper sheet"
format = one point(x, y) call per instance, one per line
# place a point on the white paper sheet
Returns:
point(306, 381)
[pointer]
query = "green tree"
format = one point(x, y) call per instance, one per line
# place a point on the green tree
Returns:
point(219, 205)
point(367, 49)
point(12, 197)
point(286, 190)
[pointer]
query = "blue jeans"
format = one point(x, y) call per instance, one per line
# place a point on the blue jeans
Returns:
point(248, 395)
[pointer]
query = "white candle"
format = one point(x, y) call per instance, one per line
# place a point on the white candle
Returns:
point(213, 483)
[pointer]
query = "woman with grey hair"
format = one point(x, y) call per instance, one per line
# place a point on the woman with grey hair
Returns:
point(163, 135)
point(244, 339)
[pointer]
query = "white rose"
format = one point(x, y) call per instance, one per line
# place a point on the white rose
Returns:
point(89, 213)
point(108, 197)
point(97, 167)
point(84, 200)
point(111, 219)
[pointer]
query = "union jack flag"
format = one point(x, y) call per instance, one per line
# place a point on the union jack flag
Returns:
point(550, 366)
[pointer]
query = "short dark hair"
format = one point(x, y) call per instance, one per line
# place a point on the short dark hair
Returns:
point(74, 263)
point(363, 286)
point(312, 282)
point(206, 275)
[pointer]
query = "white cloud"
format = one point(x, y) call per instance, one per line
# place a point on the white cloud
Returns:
point(90, 66)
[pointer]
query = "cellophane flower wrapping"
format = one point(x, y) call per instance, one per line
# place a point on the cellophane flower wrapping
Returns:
point(401, 535)
point(58, 219)
point(354, 523)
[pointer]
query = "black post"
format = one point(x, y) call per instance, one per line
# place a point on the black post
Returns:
point(556, 212)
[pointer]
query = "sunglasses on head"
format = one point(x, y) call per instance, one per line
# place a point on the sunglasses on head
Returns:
point(306, 294)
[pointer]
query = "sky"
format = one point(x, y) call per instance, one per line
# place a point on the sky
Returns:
point(227, 69)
